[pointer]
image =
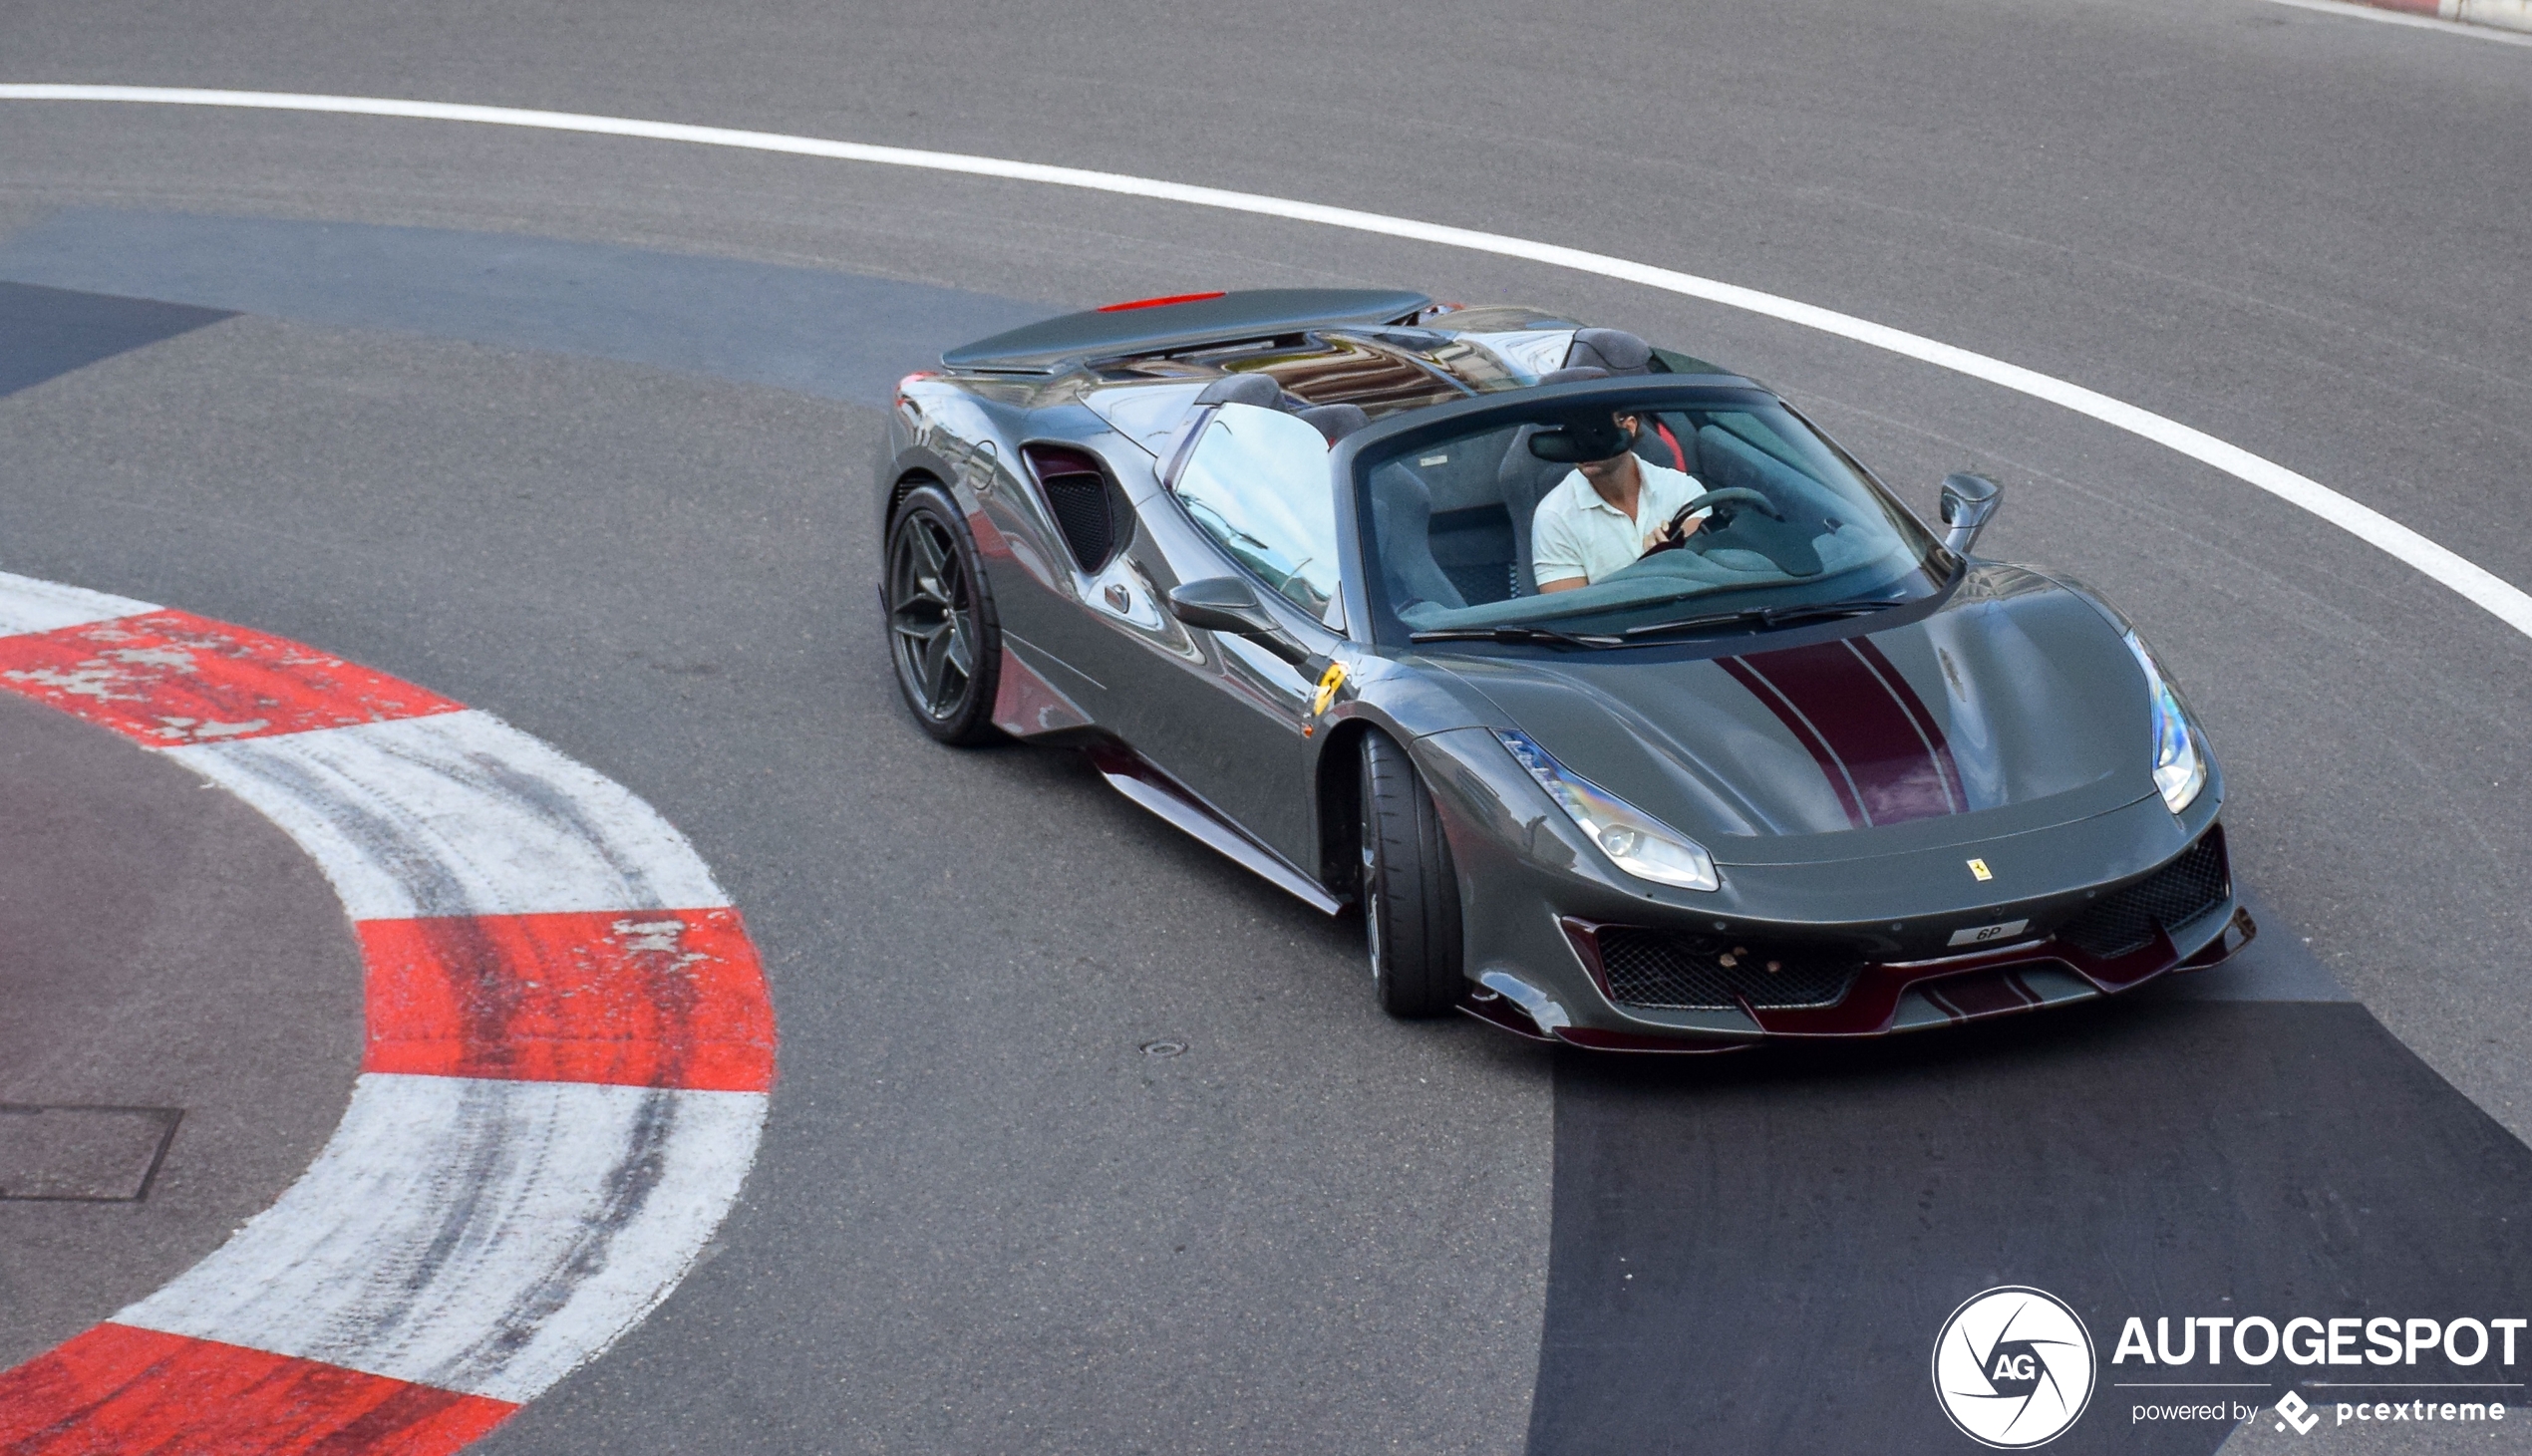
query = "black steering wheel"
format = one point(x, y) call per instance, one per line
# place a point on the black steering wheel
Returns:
point(1725, 503)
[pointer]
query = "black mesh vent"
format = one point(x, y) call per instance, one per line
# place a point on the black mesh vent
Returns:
point(1081, 510)
point(1655, 967)
point(1078, 494)
point(2176, 894)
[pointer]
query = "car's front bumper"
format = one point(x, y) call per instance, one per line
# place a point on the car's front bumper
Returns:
point(1537, 907)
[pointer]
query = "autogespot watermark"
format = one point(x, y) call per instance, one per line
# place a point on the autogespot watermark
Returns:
point(2015, 1367)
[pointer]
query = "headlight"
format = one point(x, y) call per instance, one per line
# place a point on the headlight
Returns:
point(2180, 771)
point(1634, 840)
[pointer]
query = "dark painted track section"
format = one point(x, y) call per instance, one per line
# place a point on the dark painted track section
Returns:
point(837, 335)
point(45, 332)
point(1774, 1244)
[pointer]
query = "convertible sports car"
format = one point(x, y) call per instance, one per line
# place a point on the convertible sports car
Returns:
point(1803, 768)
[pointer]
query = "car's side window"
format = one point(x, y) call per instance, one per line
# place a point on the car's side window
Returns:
point(1257, 483)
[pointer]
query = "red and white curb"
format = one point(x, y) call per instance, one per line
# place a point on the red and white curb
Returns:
point(2509, 21)
point(2504, 14)
point(569, 1052)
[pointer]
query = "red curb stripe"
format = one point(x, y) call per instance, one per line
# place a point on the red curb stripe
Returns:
point(170, 678)
point(647, 998)
point(115, 1390)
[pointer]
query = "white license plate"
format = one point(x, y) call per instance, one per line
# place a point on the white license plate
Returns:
point(1978, 935)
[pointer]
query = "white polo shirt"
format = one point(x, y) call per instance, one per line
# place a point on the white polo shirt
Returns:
point(1576, 533)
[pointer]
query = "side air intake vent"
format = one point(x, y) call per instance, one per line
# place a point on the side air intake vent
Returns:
point(1085, 505)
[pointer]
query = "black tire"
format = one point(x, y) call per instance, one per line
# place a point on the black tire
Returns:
point(1411, 895)
point(943, 638)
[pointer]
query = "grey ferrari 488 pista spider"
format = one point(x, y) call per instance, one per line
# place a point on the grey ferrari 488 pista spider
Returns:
point(1629, 710)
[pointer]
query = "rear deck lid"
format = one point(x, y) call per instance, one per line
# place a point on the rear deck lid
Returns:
point(1258, 313)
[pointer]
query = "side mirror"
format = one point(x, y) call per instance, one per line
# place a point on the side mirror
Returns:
point(1968, 502)
point(1225, 604)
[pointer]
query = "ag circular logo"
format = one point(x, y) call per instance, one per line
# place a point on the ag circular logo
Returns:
point(2014, 1367)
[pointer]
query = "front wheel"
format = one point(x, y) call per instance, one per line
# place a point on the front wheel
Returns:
point(1410, 896)
point(942, 634)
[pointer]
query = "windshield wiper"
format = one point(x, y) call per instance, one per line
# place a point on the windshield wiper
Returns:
point(1763, 615)
point(1513, 633)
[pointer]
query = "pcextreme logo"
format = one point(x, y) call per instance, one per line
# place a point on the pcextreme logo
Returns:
point(2014, 1367)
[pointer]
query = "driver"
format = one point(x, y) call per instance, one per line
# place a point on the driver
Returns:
point(1605, 514)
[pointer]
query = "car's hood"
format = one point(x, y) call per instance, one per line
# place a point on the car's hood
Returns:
point(2011, 707)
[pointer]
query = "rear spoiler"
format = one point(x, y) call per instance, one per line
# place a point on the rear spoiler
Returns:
point(1058, 344)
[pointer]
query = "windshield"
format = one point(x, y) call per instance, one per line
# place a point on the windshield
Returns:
point(1520, 522)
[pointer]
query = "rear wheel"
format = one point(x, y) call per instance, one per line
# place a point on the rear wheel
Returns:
point(1410, 896)
point(942, 635)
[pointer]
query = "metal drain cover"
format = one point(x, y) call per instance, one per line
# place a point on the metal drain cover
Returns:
point(82, 1154)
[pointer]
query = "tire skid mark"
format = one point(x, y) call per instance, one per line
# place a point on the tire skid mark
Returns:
point(564, 1074)
point(629, 1185)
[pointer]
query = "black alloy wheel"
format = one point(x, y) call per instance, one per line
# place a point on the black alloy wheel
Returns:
point(1411, 895)
point(942, 634)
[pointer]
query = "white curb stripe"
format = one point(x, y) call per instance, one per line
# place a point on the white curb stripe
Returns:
point(459, 813)
point(2474, 25)
point(477, 1235)
point(28, 605)
point(2475, 583)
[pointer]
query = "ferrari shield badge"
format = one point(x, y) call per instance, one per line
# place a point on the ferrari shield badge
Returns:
point(1329, 682)
point(1979, 872)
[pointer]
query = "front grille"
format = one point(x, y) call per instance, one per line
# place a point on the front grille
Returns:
point(1661, 969)
point(2176, 894)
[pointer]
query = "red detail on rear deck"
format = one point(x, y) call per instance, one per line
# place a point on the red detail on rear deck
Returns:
point(633, 997)
point(171, 678)
point(1118, 308)
point(116, 1389)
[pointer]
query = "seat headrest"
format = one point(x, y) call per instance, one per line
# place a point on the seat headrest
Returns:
point(1614, 350)
point(1336, 422)
point(1570, 375)
point(1243, 388)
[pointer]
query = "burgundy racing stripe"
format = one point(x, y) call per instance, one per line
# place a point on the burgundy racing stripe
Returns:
point(1865, 725)
point(1836, 772)
point(1929, 732)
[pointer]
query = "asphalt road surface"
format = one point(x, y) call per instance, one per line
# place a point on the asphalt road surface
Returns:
point(578, 429)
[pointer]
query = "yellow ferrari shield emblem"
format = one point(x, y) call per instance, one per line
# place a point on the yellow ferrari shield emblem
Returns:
point(1329, 682)
point(1980, 871)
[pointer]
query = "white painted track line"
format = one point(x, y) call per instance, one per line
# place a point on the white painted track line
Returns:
point(2418, 22)
point(2484, 588)
point(28, 605)
point(459, 813)
point(472, 1235)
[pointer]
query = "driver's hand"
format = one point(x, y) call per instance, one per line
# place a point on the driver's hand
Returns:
point(1666, 532)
